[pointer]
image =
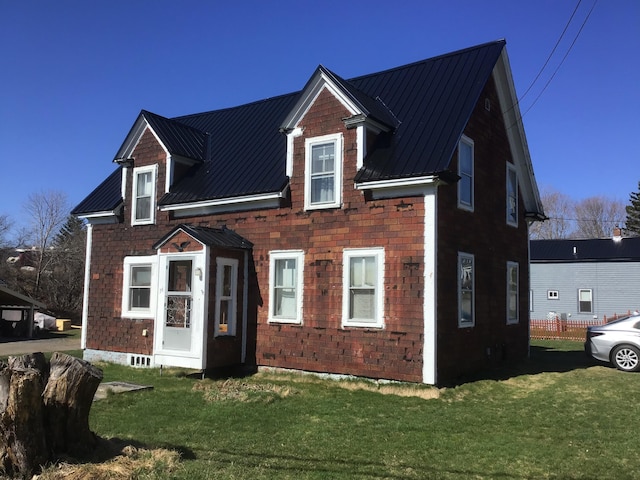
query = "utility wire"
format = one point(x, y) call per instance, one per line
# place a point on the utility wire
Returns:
point(547, 61)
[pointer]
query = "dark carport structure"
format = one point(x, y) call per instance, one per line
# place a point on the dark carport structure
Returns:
point(11, 301)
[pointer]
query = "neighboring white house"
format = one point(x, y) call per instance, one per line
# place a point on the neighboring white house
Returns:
point(584, 279)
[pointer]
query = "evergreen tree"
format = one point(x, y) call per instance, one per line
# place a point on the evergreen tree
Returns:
point(633, 214)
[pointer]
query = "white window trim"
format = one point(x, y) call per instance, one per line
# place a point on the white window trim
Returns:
point(152, 214)
point(511, 169)
point(553, 295)
point(510, 265)
point(308, 144)
point(378, 253)
point(151, 260)
point(298, 256)
point(466, 324)
point(231, 327)
point(462, 205)
point(590, 290)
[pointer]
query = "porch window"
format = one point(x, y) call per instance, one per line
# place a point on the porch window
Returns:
point(139, 285)
point(286, 286)
point(465, 171)
point(323, 172)
point(363, 279)
point(585, 300)
point(512, 195)
point(226, 296)
point(466, 290)
point(143, 202)
point(512, 292)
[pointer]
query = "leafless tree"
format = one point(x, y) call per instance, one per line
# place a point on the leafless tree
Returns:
point(46, 212)
point(559, 209)
point(596, 217)
point(5, 228)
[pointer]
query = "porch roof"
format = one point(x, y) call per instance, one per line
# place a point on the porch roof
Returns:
point(215, 237)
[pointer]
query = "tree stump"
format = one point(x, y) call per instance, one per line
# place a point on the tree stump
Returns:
point(44, 411)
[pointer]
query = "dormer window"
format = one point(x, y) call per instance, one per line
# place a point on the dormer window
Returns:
point(144, 196)
point(323, 172)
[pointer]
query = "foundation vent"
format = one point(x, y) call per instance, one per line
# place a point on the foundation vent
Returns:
point(139, 361)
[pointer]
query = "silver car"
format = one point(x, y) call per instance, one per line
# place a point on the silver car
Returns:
point(617, 342)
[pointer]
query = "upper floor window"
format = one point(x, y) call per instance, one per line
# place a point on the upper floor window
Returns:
point(144, 195)
point(138, 292)
point(512, 292)
point(286, 286)
point(363, 288)
point(465, 171)
point(512, 195)
point(466, 290)
point(323, 172)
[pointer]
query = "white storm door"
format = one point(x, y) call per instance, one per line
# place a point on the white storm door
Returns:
point(178, 312)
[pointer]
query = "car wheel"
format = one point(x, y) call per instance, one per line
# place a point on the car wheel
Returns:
point(626, 358)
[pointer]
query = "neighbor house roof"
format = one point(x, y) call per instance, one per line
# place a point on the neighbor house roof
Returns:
point(10, 298)
point(241, 151)
point(590, 250)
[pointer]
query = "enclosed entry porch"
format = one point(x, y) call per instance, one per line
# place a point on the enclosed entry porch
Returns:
point(202, 298)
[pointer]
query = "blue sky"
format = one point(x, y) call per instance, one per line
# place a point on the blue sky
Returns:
point(75, 75)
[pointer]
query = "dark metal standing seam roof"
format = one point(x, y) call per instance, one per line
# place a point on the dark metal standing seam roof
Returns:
point(106, 197)
point(589, 250)
point(429, 103)
point(215, 237)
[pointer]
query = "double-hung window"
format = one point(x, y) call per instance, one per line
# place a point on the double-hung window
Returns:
point(465, 171)
point(323, 172)
point(466, 290)
point(226, 296)
point(286, 281)
point(512, 195)
point(363, 286)
point(585, 300)
point(139, 285)
point(144, 195)
point(512, 292)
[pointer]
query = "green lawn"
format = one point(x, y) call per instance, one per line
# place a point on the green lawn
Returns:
point(557, 416)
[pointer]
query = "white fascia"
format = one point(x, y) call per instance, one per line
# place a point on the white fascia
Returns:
point(208, 207)
point(291, 136)
point(101, 218)
point(399, 187)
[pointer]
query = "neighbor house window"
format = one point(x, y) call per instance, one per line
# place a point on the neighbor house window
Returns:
point(226, 296)
point(144, 197)
point(363, 280)
point(585, 300)
point(512, 195)
point(285, 279)
point(553, 295)
point(323, 172)
point(512, 292)
point(139, 285)
point(465, 171)
point(466, 290)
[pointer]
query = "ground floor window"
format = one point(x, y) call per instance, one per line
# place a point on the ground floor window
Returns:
point(363, 281)
point(226, 296)
point(466, 290)
point(139, 286)
point(512, 292)
point(286, 281)
point(585, 300)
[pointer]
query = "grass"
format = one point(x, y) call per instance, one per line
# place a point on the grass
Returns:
point(555, 417)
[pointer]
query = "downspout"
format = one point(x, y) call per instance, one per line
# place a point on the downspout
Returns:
point(85, 293)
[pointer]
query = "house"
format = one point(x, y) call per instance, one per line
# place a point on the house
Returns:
point(375, 227)
point(585, 279)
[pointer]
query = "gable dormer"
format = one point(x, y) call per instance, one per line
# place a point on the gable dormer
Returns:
point(323, 130)
point(156, 153)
